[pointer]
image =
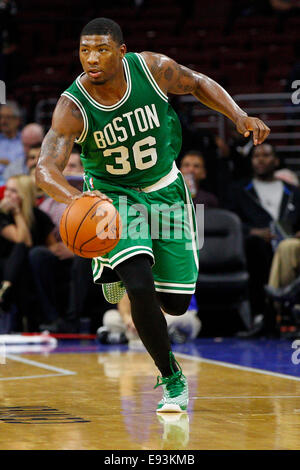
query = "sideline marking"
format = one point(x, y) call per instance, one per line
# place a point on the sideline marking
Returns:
point(235, 366)
point(59, 371)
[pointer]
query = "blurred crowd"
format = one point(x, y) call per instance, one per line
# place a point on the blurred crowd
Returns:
point(37, 269)
point(45, 287)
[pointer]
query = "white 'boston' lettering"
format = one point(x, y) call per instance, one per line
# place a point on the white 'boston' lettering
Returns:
point(139, 120)
point(128, 117)
point(110, 139)
point(142, 127)
point(120, 129)
point(99, 139)
point(152, 116)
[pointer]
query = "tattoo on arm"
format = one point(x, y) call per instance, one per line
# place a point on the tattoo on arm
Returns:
point(172, 77)
point(179, 80)
point(168, 73)
point(55, 152)
point(57, 148)
point(186, 80)
point(67, 124)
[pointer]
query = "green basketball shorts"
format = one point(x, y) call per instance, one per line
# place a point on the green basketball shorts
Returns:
point(158, 223)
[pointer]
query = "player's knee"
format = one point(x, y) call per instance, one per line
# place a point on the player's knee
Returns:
point(173, 309)
point(139, 291)
point(174, 304)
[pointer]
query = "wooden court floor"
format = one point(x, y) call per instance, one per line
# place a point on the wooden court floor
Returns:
point(106, 401)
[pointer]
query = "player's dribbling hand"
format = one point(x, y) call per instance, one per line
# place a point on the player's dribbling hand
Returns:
point(94, 193)
point(246, 124)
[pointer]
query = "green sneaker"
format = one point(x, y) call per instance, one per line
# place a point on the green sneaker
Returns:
point(176, 390)
point(113, 291)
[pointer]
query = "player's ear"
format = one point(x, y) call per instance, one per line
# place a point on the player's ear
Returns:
point(123, 50)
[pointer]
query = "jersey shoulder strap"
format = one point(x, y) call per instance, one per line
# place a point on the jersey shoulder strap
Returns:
point(139, 66)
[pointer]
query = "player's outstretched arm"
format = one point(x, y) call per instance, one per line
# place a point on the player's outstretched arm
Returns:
point(179, 80)
point(67, 125)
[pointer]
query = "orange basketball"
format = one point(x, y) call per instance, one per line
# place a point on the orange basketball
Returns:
point(90, 227)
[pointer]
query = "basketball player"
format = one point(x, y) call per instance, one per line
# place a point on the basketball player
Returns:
point(118, 110)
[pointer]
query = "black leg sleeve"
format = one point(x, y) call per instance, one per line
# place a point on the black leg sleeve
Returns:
point(147, 316)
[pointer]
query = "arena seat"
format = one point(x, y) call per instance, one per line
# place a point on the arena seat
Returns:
point(223, 279)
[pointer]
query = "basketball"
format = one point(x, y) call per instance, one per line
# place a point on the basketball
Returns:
point(90, 226)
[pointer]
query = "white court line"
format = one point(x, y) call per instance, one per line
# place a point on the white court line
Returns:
point(235, 366)
point(59, 371)
point(32, 376)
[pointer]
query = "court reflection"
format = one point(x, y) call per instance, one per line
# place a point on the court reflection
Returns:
point(176, 430)
point(135, 375)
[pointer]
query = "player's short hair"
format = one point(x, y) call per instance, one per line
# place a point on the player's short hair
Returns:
point(103, 27)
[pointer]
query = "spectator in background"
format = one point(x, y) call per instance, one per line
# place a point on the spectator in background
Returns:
point(214, 149)
point(49, 264)
point(286, 261)
point(11, 147)
point(33, 156)
point(118, 326)
point(193, 169)
point(22, 226)
point(284, 279)
point(285, 266)
point(74, 165)
point(264, 205)
point(32, 135)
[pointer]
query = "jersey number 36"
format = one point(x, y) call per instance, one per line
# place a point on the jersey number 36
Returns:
point(143, 159)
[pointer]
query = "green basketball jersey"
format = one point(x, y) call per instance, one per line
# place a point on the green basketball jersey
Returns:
point(135, 141)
